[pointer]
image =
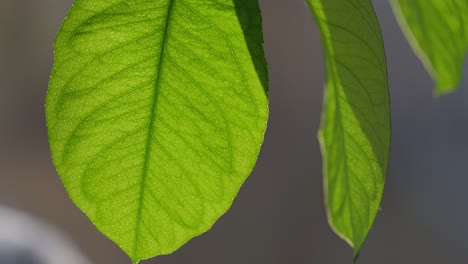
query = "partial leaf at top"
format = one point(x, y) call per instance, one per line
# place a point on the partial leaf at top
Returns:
point(156, 111)
point(438, 32)
point(355, 131)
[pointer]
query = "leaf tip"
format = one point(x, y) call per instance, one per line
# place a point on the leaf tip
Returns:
point(443, 90)
point(356, 255)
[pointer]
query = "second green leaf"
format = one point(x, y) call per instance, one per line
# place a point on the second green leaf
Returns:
point(355, 131)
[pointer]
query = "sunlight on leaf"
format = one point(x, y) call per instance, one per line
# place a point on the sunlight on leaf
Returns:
point(355, 131)
point(438, 32)
point(156, 111)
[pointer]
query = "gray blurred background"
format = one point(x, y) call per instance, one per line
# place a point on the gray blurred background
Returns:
point(279, 215)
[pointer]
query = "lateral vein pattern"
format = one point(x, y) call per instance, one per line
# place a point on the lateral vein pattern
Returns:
point(156, 112)
point(355, 130)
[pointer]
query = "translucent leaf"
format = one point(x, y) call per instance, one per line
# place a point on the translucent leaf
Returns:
point(355, 131)
point(156, 111)
point(438, 32)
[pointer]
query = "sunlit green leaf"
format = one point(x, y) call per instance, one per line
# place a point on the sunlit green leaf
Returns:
point(438, 32)
point(156, 111)
point(355, 132)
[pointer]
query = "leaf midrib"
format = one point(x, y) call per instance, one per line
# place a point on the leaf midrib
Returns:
point(155, 96)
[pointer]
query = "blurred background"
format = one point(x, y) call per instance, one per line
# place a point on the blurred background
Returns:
point(279, 216)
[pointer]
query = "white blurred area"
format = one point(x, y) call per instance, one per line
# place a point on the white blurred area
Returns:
point(26, 240)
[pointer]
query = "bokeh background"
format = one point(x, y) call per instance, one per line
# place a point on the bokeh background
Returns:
point(279, 215)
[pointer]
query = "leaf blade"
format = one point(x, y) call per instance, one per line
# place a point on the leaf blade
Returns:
point(438, 33)
point(355, 130)
point(157, 110)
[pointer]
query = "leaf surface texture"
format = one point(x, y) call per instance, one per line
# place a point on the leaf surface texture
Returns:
point(355, 130)
point(156, 112)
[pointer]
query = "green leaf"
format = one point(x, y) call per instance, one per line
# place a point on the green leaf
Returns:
point(355, 130)
point(438, 32)
point(156, 111)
